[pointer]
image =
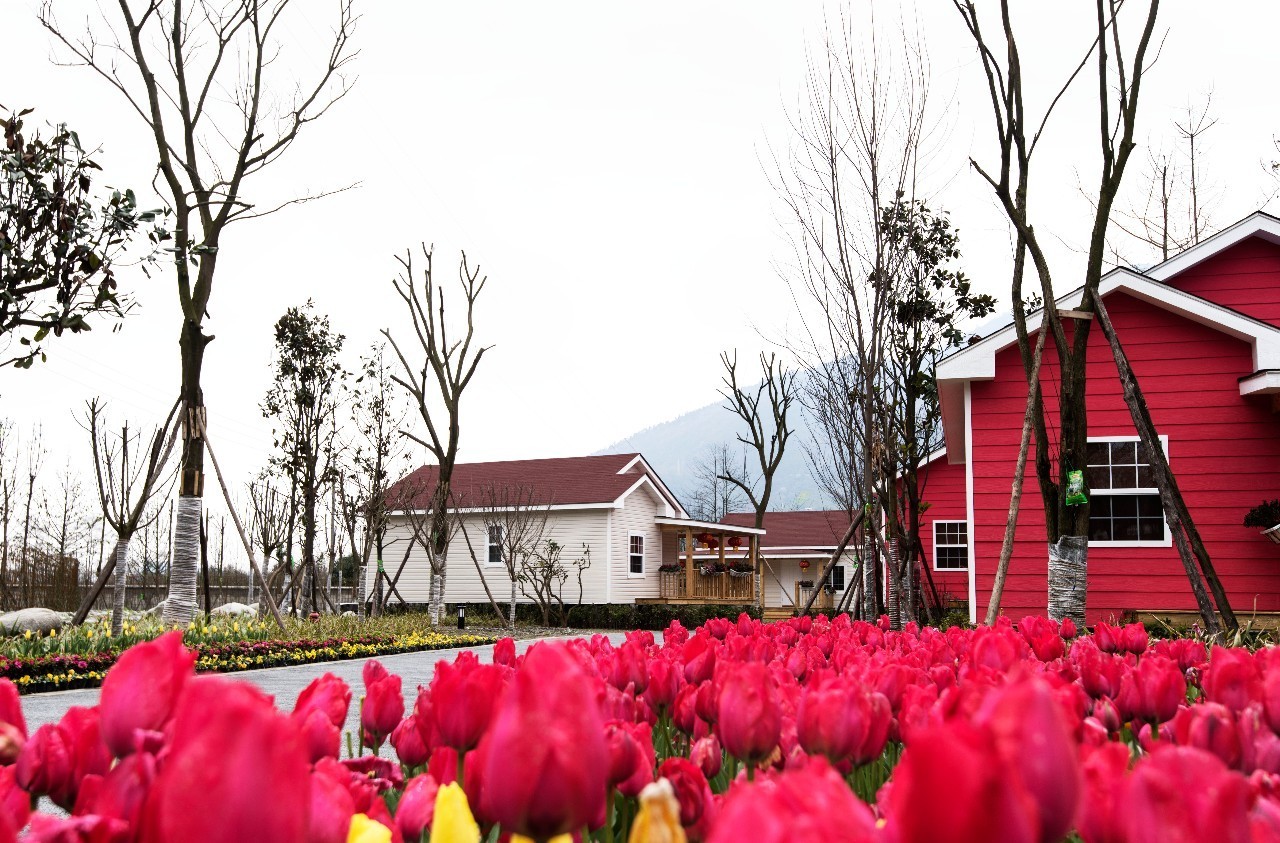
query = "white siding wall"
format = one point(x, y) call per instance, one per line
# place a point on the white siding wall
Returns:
point(569, 528)
point(636, 516)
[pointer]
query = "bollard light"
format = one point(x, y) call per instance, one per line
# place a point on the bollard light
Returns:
point(462, 616)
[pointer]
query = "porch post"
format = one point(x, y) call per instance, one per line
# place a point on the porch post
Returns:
point(757, 577)
point(724, 578)
point(688, 564)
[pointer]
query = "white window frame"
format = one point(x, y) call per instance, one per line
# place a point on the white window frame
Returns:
point(643, 543)
point(967, 537)
point(1167, 541)
point(489, 545)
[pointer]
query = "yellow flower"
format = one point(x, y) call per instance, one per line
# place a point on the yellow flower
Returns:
point(563, 838)
point(659, 817)
point(365, 830)
point(27, 635)
point(453, 822)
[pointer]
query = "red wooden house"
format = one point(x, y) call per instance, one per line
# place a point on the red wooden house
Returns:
point(1202, 331)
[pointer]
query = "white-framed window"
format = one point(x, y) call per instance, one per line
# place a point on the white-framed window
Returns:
point(1124, 503)
point(950, 545)
point(635, 554)
point(493, 545)
point(835, 578)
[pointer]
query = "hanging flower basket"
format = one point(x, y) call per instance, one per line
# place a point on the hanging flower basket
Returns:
point(739, 574)
point(1273, 533)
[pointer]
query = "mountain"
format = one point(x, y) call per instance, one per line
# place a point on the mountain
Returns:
point(675, 448)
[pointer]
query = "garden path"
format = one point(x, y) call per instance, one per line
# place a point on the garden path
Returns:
point(285, 683)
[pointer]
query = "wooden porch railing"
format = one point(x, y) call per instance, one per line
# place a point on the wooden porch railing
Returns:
point(713, 588)
point(825, 601)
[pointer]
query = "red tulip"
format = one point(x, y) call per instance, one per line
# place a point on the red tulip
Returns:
point(544, 763)
point(691, 789)
point(879, 721)
point(86, 829)
point(383, 705)
point(1134, 639)
point(320, 713)
point(1211, 727)
point(948, 789)
point(628, 666)
point(59, 756)
point(699, 656)
point(1233, 678)
point(220, 726)
point(832, 720)
point(708, 755)
point(410, 745)
point(417, 806)
point(13, 726)
point(664, 683)
point(684, 712)
point(1068, 628)
point(463, 695)
point(1107, 637)
point(122, 792)
point(1184, 794)
point(331, 807)
point(1160, 687)
point(749, 717)
point(812, 803)
point(504, 653)
point(1033, 741)
point(1101, 810)
point(141, 689)
point(15, 803)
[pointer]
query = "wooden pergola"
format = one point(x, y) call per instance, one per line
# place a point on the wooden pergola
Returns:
point(689, 586)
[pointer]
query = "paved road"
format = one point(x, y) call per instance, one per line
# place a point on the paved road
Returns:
point(285, 683)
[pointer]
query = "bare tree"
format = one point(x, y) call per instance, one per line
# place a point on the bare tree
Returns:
point(34, 462)
point(268, 523)
point(436, 385)
point(515, 522)
point(129, 480)
point(200, 75)
point(9, 468)
point(1177, 203)
point(714, 497)
point(543, 577)
point(1119, 84)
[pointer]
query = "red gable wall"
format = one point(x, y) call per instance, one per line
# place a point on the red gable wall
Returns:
point(1224, 450)
point(942, 487)
point(1245, 277)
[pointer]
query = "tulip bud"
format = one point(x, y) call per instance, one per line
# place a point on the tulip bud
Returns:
point(417, 807)
point(706, 753)
point(749, 717)
point(410, 746)
point(383, 705)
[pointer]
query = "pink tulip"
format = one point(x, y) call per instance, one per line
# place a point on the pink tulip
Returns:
point(383, 705)
point(1185, 794)
point(220, 726)
point(140, 691)
point(331, 808)
point(691, 789)
point(13, 726)
point(544, 763)
point(833, 720)
point(417, 807)
point(410, 745)
point(706, 753)
point(812, 803)
point(1233, 678)
point(504, 652)
point(463, 695)
point(749, 718)
point(320, 712)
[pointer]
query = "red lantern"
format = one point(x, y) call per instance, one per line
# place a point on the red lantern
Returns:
point(735, 542)
point(804, 564)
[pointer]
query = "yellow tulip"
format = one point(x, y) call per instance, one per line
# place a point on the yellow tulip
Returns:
point(659, 817)
point(365, 830)
point(563, 838)
point(453, 822)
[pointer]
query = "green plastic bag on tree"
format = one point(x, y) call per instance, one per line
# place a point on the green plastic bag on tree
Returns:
point(1075, 488)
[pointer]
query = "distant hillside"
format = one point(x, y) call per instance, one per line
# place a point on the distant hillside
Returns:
point(675, 448)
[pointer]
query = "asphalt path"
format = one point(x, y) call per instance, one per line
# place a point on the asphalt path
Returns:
point(285, 683)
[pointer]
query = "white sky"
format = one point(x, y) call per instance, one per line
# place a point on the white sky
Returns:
point(604, 164)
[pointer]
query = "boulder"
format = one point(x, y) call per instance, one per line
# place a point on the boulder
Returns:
point(31, 620)
point(234, 609)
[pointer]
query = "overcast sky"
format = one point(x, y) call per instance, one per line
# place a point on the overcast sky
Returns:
point(607, 166)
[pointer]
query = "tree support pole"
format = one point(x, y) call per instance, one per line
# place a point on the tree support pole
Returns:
point(830, 563)
point(1175, 507)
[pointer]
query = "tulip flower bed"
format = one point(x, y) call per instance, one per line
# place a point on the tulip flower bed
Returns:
point(801, 730)
point(81, 657)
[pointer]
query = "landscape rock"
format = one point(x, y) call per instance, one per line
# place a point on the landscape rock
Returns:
point(235, 609)
point(33, 620)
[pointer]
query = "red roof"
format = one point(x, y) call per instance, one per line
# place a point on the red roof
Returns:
point(562, 481)
point(822, 528)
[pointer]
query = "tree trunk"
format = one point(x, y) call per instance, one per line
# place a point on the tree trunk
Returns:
point(511, 621)
point(180, 607)
point(1068, 578)
point(122, 580)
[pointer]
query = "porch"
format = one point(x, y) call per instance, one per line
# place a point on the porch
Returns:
point(708, 563)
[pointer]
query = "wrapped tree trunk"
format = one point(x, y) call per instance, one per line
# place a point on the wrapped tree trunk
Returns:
point(122, 579)
point(1068, 582)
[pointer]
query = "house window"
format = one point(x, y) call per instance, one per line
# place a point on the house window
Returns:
point(950, 545)
point(1124, 501)
point(835, 578)
point(493, 554)
point(636, 554)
